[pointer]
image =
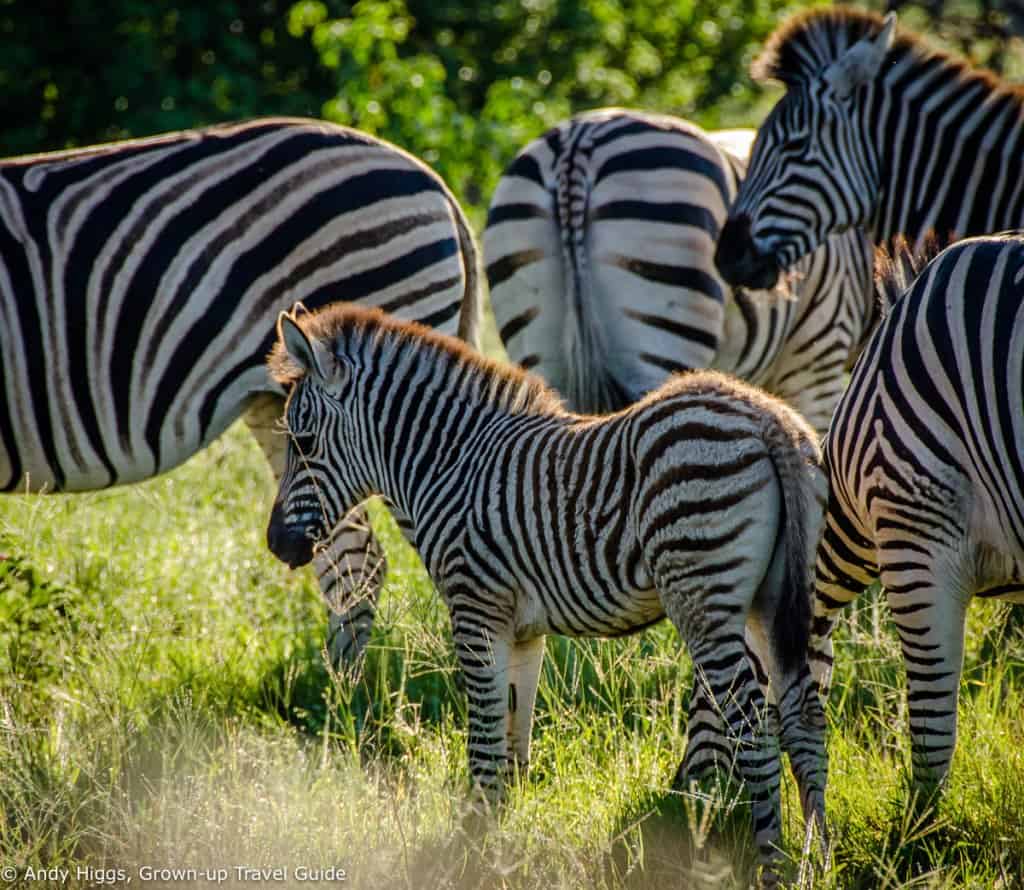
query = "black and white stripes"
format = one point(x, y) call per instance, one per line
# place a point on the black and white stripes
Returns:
point(926, 463)
point(703, 502)
point(140, 283)
point(600, 255)
point(876, 129)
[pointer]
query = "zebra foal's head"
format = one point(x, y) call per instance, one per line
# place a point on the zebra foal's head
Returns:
point(315, 490)
point(814, 168)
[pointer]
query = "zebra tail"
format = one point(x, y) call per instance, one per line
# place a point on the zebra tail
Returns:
point(797, 457)
point(592, 385)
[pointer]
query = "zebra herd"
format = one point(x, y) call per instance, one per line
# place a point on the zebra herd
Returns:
point(140, 284)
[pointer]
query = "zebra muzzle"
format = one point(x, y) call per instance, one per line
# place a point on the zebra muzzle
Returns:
point(290, 544)
point(738, 260)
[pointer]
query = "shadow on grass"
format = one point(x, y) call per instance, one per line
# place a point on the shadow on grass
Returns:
point(697, 839)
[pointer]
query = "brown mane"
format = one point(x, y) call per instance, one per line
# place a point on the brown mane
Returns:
point(341, 323)
point(808, 42)
point(899, 264)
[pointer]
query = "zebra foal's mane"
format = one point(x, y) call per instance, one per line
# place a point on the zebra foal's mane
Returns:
point(340, 325)
point(802, 48)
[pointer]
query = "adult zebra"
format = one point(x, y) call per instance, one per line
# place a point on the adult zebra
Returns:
point(925, 457)
point(140, 282)
point(600, 256)
point(876, 129)
point(532, 520)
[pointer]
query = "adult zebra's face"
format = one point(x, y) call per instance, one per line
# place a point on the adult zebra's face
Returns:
point(814, 170)
point(315, 491)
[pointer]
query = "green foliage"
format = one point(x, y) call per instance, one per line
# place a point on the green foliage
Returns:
point(465, 87)
point(79, 72)
point(461, 85)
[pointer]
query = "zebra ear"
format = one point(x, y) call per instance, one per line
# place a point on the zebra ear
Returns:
point(299, 309)
point(861, 62)
point(308, 354)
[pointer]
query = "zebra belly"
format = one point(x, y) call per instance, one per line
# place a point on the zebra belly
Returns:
point(586, 613)
point(66, 463)
point(1000, 575)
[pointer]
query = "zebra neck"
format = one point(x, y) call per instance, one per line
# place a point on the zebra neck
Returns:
point(950, 142)
point(424, 417)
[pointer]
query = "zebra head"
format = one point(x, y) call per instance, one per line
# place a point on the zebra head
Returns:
point(316, 488)
point(814, 168)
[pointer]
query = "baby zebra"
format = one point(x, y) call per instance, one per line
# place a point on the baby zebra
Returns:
point(925, 457)
point(702, 502)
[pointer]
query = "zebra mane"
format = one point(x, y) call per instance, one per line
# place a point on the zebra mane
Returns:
point(806, 44)
point(899, 264)
point(345, 329)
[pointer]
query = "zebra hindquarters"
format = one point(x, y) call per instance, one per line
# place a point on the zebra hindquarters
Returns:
point(526, 275)
point(928, 588)
point(704, 543)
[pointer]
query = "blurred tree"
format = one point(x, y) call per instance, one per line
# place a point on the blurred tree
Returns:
point(988, 32)
point(461, 84)
point(75, 72)
point(466, 85)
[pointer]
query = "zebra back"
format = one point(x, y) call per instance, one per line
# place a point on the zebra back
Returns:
point(602, 209)
point(937, 397)
point(140, 282)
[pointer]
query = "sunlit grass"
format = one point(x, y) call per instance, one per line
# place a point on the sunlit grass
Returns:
point(164, 701)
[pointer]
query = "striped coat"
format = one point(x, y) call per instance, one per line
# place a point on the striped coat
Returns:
point(926, 463)
point(600, 256)
point(876, 129)
point(140, 283)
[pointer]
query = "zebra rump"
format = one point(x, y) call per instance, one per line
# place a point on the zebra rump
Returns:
point(600, 245)
point(702, 502)
point(140, 282)
point(925, 459)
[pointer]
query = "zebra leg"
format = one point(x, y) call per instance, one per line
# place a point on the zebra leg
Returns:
point(350, 568)
point(707, 750)
point(800, 717)
point(484, 657)
point(929, 608)
point(726, 677)
point(524, 664)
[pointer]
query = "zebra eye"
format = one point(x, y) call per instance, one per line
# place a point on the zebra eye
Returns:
point(304, 442)
point(795, 143)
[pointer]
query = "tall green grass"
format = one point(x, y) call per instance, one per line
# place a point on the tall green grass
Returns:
point(165, 702)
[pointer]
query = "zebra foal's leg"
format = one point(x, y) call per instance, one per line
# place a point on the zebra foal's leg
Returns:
point(524, 664)
point(799, 716)
point(725, 676)
point(350, 568)
point(485, 654)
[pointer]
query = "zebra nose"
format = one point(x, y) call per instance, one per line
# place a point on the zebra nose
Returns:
point(288, 544)
point(737, 258)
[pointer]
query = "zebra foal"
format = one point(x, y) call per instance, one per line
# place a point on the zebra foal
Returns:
point(140, 283)
point(702, 502)
point(925, 458)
